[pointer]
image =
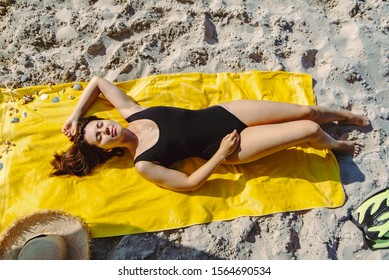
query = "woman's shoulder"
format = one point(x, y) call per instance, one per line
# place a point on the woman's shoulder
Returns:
point(132, 113)
point(144, 166)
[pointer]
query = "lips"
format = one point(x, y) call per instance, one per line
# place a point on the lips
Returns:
point(113, 131)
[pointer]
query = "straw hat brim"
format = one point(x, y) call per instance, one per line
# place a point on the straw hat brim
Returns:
point(73, 229)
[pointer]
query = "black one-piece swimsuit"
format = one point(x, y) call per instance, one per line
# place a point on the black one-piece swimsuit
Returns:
point(186, 133)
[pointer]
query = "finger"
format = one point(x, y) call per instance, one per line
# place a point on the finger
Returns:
point(232, 134)
point(65, 128)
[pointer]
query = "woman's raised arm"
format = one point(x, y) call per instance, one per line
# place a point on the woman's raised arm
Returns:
point(123, 103)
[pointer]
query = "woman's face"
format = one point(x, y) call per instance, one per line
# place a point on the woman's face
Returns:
point(105, 134)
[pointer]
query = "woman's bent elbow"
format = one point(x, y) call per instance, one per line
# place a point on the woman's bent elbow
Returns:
point(95, 78)
point(192, 189)
point(183, 188)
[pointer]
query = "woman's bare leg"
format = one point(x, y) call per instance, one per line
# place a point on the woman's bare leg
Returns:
point(259, 141)
point(258, 112)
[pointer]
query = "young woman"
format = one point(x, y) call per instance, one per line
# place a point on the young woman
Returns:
point(229, 133)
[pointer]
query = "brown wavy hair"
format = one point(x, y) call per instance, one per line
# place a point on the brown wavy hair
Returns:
point(82, 158)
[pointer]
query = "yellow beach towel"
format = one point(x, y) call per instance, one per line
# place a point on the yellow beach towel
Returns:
point(115, 200)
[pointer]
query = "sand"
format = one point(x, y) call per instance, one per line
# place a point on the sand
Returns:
point(344, 44)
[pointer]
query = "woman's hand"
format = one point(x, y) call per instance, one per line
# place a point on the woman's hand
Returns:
point(229, 144)
point(69, 128)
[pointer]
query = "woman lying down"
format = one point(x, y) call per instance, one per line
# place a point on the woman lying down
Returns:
point(234, 132)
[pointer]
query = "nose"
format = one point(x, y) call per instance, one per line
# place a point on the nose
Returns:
point(105, 130)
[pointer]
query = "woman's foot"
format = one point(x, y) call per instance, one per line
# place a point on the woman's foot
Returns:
point(349, 147)
point(353, 119)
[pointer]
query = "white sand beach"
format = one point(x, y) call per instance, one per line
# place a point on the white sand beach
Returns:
point(343, 44)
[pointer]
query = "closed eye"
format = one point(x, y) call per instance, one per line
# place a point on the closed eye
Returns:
point(98, 137)
point(98, 134)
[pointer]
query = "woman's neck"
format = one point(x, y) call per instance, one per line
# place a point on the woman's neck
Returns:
point(130, 139)
point(141, 135)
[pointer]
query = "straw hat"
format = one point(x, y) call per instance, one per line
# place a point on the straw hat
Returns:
point(46, 235)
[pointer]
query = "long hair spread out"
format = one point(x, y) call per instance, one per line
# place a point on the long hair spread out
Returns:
point(82, 157)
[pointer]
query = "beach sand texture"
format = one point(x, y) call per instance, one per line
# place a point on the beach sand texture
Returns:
point(344, 44)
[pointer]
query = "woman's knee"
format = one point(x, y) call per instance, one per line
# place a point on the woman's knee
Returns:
point(311, 128)
point(308, 112)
